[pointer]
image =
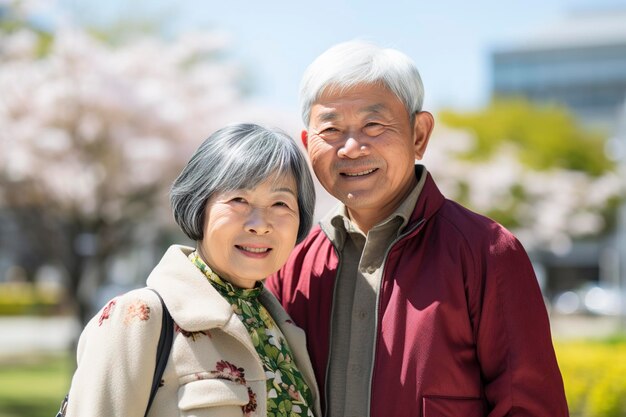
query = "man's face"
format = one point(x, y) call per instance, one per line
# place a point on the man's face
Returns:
point(362, 146)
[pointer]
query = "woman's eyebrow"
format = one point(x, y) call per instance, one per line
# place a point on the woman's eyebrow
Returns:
point(284, 190)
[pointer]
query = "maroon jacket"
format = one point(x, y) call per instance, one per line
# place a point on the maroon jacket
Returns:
point(462, 330)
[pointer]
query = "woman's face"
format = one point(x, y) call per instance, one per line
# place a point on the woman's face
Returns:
point(248, 234)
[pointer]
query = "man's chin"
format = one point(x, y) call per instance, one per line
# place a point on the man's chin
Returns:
point(356, 199)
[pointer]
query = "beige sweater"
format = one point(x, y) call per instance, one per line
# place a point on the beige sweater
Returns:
point(213, 369)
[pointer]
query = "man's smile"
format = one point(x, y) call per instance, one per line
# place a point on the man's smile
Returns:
point(358, 174)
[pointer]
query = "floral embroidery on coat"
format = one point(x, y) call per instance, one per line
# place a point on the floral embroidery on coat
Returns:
point(288, 394)
point(192, 335)
point(138, 310)
point(231, 372)
point(106, 312)
point(226, 370)
point(250, 408)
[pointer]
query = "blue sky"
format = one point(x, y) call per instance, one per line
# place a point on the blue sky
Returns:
point(450, 41)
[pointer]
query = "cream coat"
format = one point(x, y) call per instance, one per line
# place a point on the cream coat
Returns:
point(117, 349)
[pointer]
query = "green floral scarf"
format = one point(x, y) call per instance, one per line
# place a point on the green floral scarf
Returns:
point(288, 395)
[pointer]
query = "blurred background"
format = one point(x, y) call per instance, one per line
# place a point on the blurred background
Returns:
point(102, 103)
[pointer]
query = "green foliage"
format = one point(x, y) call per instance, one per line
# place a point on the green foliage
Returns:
point(44, 39)
point(33, 387)
point(12, 20)
point(610, 209)
point(546, 137)
point(545, 146)
point(25, 298)
point(593, 374)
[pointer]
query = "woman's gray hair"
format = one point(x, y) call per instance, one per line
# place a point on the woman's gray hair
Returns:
point(356, 62)
point(238, 157)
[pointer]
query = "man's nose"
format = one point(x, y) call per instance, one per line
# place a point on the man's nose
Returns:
point(353, 148)
point(258, 221)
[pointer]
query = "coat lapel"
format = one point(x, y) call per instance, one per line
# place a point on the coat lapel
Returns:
point(196, 306)
point(193, 302)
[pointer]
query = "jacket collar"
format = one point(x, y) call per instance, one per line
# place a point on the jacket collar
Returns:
point(428, 203)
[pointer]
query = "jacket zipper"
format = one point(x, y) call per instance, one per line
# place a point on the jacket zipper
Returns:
point(376, 311)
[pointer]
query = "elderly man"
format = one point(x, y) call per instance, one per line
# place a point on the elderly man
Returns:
point(412, 304)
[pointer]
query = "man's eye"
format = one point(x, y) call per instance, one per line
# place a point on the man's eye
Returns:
point(373, 129)
point(329, 130)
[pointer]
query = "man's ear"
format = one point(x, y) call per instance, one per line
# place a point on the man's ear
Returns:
point(304, 136)
point(422, 128)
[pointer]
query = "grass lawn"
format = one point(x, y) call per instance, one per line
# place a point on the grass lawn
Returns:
point(33, 386)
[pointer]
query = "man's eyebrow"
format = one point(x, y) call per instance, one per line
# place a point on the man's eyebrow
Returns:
point(327, 116)
point(377, 108)
point(331, 115)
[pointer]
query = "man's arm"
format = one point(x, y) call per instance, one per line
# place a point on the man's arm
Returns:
point(514, 344)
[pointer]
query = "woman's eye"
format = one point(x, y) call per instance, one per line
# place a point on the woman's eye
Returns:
point(281, 204)
point(239, 200)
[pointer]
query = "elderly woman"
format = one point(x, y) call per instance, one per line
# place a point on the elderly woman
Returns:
point(246, 197)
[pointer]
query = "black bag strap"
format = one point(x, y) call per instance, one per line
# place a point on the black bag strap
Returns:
point(163, 349)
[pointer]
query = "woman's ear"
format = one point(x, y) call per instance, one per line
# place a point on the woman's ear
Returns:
point(304, 136)
point(422, 128)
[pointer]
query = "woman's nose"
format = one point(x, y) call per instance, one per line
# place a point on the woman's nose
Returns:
point(258, 222)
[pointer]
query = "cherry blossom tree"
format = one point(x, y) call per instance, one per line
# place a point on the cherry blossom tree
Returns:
point(93, 135)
